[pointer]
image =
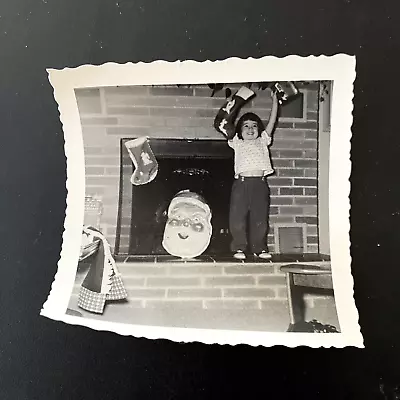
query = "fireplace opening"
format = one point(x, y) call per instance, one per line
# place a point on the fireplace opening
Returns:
point(204, 167)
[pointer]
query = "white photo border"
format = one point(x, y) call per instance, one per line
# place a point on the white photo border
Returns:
point(339, 68)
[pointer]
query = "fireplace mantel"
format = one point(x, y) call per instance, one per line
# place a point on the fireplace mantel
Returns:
point(195, 148)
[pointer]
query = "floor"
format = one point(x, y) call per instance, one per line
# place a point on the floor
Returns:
point(274, 320)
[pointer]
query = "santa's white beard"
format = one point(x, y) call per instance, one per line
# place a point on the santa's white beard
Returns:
point(184, 242)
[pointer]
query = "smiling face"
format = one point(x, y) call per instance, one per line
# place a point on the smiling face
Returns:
point(188, 230)
point(250, 130)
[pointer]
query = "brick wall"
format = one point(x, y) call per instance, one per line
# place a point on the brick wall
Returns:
point(188, 287)
point(205, 286)
point(109, 114)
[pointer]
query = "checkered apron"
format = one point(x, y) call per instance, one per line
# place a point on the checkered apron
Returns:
point(103, 281)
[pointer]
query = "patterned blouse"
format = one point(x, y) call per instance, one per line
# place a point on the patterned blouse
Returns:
point(251, 155)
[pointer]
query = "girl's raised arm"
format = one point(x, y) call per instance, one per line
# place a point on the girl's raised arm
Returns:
point(272, 117)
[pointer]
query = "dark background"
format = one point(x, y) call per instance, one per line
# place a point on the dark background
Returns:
point(44, 359)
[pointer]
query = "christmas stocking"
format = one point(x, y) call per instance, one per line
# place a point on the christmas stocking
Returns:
point(285, 91)
point(146, 166)
point(224, 121)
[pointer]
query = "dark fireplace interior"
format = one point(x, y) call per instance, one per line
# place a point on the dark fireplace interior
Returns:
point(204, 167)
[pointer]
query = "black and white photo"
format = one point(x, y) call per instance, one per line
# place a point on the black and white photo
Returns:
point(209, 201)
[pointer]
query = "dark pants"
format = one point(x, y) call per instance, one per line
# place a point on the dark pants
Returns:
point(250, 200)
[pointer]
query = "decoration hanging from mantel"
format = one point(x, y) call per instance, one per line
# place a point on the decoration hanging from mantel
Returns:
point(192, 171)
point(217, 87)
point(142, 156)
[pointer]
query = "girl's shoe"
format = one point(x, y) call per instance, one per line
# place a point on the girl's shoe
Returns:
point(239, 255)
point(264, 255)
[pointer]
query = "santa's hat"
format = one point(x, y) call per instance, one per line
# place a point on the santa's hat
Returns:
point(188, 197)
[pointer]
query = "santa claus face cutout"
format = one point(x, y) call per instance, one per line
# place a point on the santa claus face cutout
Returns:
point(188, 229)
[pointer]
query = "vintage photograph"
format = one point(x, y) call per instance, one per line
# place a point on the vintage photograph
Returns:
point(208, 206)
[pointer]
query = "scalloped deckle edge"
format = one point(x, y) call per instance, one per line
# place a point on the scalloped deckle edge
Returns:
point(339, 68)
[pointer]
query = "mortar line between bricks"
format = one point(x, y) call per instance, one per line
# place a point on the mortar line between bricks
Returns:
point(93, 125)
point(285, 168)
point(235, 286)
point(94, 115)
point(178, 276)
point(131, 307)
point(252, 298)
point(249, 298)
point(191, 298)
point(173, 299)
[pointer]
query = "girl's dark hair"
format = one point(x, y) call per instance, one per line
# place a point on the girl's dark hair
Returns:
point(249, 117)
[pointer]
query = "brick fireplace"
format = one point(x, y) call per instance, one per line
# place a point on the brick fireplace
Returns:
point(111, 115)
point(225, 293)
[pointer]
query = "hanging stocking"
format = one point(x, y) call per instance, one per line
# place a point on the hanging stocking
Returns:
point(285, 91)
point(224, 121)
point(146, 166)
